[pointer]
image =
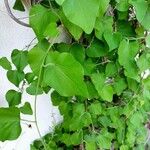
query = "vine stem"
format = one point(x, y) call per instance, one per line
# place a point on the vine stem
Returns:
point(36, 93)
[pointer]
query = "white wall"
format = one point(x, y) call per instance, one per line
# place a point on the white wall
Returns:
point(13, 35)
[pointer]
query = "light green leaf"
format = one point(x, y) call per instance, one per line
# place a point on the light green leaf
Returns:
point(77, 12)
point(26, 109)
point(96, 49)
point(95, 108)
point(122, 5)
point(4, 62)
point(148, 41)
point(60, 2)
point(10, 128)
point(144, 61)
point(19, 59)
point(51, 30)
point(102, 25)
point(127, 52)
point(75, 30)
point(142, 9)
point(104, 90)
point(113, 40)
point(15, 77)
point(111, 69)
point(13, 97)
point(64, 74)
point(41, 17)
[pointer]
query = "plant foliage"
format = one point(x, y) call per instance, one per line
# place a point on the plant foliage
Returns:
point(97, 78)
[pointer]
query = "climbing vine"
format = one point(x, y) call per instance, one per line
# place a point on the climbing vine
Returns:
point(98, 76)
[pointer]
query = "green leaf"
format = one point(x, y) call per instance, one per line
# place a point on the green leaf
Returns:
point(95, 108)
point(64, 74)
point(26, 109)
point(102, 25)
point(15, 77)
point(13, 97)
point(51, 30)
point(122, 5)
point(36, 56)
point(19, 59)
point(142, 9)
point(41, 17)
point(127, 52)
point(96, 49)
point(29, 77)
point(119, 85)
point(75, 30)
point(144, 61)
point(148, 41)
point(77, 12)
point(105, 91)
point(60, 2)
point(111, 69)
point(104, 140)
point(78, 52)
point(10, 128)
point(124, 147)
point(18, 5)
point(32, 89)
point(113, 40)
point(4, 62)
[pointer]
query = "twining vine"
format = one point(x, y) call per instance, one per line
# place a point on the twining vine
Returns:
point(97, 74)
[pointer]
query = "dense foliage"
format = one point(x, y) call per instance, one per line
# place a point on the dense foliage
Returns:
point(97, 78)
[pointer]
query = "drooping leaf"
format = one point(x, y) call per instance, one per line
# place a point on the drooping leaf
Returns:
point(18, 5)
point(13, 97)
point(64, 74)
point(10, 128)
point(82, 17)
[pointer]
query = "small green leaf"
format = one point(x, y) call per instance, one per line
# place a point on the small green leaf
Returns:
point(26, 109)
point(15, 77)
point(10, 128)
point(51, 30)
point(4, 62)
point(13, 97)
point(29, 77)
point(95, 108)
point(19, 59)
point(111, 69)
point(60, 2)
point(148, 41)
point(18, 5)
point(113, 40)
point(32, 89)
point(96, 49)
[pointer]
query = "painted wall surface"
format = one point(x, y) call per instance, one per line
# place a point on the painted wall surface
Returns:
point(12, 36)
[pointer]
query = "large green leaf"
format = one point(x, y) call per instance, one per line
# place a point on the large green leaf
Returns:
point(82, 13)
point(10, 128)
point(64, 74)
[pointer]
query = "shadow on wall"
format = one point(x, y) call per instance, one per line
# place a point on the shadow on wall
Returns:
point(12, 36)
